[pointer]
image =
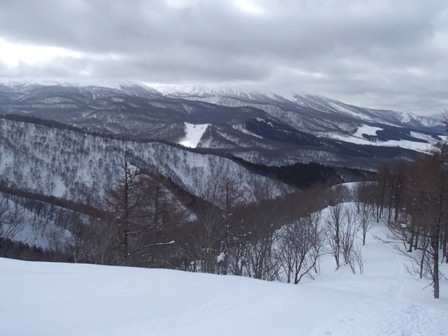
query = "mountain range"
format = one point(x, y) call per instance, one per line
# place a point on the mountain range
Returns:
point(61, 146)
point(260, 128)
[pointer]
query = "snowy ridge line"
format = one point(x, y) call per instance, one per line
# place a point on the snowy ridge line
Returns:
point(86, 209)
point(304, 99)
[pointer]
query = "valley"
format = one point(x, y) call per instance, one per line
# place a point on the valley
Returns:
point(202, 180)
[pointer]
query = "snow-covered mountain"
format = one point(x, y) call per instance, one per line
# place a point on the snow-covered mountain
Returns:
point(66, 142)
point(214, 165)
point(54, 175)
point(258, 127)
point(68, 163)
point(237, 98)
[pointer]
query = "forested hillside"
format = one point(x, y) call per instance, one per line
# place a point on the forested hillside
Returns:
point(92, 195)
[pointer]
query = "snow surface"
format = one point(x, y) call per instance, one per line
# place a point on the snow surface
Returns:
point(59, 187)
point(193, 134)
point(244, 130)
point(73, 299)
point(367, 130)
point(357, 138)
point(337, 105)
point(422, 136)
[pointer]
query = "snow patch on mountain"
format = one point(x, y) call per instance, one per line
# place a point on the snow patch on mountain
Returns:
point(359, 137)
point(366, 130)
point(193, 134)
point(338, 106)
point(422, 147)
point(59, 187)
point(421, 136)
point(245, 131)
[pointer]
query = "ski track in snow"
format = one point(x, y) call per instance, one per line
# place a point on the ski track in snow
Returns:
point(395, 318)
point(388, 314)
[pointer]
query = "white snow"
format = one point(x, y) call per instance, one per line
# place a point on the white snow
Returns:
point(59, 187)
point(367, 130)
point(221, 257)
point(336, 105)
point(357, 138)
point(193, 134)
point(244, 130)
point(46, 299)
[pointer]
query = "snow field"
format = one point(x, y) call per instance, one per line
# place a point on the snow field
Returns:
point(357, 138)
point(394, 303)
point(193, 134)
point(74, 299)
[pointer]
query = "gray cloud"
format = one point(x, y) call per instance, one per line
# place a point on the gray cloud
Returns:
point(376, 53)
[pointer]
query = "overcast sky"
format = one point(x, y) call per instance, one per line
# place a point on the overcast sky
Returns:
point(374, 53)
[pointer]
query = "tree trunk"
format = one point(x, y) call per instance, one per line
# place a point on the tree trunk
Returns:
point(444, 251)
point(435, 258)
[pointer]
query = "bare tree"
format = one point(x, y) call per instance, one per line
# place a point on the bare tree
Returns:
point(129, 203)
point(212, 236)
point(422, 222)
point(333, 232)
point(348, 231)
point(263, 221)
point(428, 187)
point(357, 253)
point(299, 247)
point(364, 218)
point(209, 236)
point(229, 196)
point(237, 254)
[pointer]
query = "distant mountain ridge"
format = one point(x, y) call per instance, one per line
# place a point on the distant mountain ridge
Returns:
point(259, 127)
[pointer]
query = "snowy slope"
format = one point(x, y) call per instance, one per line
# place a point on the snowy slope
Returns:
point(193, 134)
point(65, 299)
point(77, 166)
point(423, 143)
point(279, 105)
point(38, 228)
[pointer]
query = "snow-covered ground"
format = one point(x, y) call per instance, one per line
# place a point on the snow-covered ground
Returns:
point(72, 299)
point(357, 138)
point(193, 134)
point(366, 129)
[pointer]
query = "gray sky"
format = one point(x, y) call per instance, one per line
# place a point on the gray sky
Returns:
point(384, 54)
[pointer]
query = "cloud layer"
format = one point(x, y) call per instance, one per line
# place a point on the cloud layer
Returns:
point(386, 54)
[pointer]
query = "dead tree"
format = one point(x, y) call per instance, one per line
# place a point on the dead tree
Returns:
point(364, 216)
point(299, 247)
point(333, 232)
point(348, 231)
point(127, 202)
